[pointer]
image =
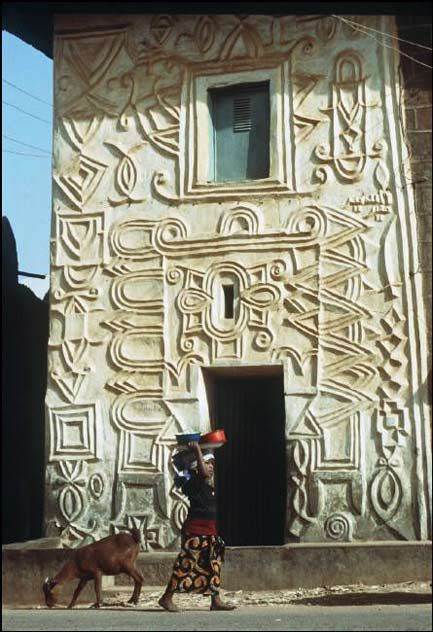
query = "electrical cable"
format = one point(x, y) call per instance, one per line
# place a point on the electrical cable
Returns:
point(370, 28)
point(386, 45)
point(25, 92)
point(15, 140)
point(28, 113)
point(19, 153)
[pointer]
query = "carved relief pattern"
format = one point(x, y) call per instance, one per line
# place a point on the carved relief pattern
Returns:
point(387, 488)
point(156, 271)
point(348, 152)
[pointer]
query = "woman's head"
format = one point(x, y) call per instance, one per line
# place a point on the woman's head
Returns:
point(209, 464)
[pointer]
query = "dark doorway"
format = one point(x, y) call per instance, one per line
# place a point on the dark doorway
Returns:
point(251, 467)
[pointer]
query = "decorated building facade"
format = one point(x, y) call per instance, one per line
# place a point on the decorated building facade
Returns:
point(231, 206)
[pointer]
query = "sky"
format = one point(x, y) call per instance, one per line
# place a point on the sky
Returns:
point(26, 190)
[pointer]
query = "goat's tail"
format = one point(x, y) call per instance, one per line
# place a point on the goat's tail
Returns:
point(135, 534)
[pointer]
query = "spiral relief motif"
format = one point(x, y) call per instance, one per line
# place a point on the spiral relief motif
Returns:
point(263, 339)
point(174, 275)
point(186, 344)
point(278, 269)
point(337, 527)
point(167, 232)
point(310, 220)
point(307, 46)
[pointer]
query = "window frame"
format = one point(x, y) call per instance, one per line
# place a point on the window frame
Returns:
point(196, 130)
point(204, 128)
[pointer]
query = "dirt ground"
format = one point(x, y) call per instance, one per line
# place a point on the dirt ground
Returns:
point(354, 594)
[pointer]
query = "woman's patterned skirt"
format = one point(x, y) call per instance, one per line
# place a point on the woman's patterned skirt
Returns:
point(197, 568)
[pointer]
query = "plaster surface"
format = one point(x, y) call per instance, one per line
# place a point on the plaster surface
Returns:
point(322, 256)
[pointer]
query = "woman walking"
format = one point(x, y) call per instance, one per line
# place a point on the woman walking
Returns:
point(197, 568)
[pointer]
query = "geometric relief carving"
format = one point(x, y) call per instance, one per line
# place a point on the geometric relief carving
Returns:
point(148, 519)
point(348, 150)
point(148, 381)
point(136, 450)
point(340, 442)
point(81, 288)
point(140, 348)
point(97, 485)
point(74, 433)
point(79, 187)
point(136, 412)
point(347, 485)
point(139, 291)
point(392, 346)
point(70, 384)
point(386, 491)
point(316, 288)
point(338, 527)
point(161, 27)
point(170, 239)
point(90, 57)
point(242, 41)
point(300, 459)
point(80, 239)
point(304, 84)
point(74, 354)
point(204, 33)
point(202, 304)
point(72, 482)
point(126, 175)
point(133, 239)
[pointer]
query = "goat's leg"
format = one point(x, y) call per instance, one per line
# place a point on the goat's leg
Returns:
point(98, 585)
point(138, 582)
point(77, 591)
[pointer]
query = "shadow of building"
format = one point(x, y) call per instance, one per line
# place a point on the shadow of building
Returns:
point(24, 381)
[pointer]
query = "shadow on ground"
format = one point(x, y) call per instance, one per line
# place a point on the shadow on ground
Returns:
point(367, 599)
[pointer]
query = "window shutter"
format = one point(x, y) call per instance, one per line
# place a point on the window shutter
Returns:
point(242, 113)
point(240, 117)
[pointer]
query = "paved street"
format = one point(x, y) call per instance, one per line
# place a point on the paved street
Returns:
point(405, 606)
point(412, 617)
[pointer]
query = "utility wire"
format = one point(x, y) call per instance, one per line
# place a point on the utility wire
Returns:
point(25, 92)
point(28, 113)
point(19, 153)
point(386, 45)
point(14, 140)
point(370, 28)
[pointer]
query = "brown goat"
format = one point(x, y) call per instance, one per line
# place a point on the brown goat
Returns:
point(109, 556)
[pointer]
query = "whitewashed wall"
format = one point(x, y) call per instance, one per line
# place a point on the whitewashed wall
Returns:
point(323, 253)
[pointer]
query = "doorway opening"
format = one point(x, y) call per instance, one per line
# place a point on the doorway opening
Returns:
point(250, 478)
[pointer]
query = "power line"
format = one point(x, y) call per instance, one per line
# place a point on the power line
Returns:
point(370, 28)
point(19, 153)
point(14, 140)
point(386, 45)
point(25, 92)
point(28, 113)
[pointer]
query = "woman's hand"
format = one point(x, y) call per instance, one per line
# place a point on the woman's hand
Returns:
point(193, 445)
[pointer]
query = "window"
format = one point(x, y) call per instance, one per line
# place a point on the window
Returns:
point(229, 296)
point(240, 126)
